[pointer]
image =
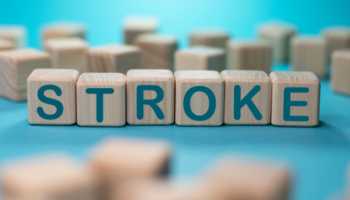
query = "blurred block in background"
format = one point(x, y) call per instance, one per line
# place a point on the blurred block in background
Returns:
point(340, 71)
point(63, 30)
point(136, 26)
point(337, 38)
point(209, 38)
point(14, 34)
point(6, 45)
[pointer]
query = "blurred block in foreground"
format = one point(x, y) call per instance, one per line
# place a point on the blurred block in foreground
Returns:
point(133, 27)
point(209, 38)
point(14, 34)
point(340, 76)
point(63, 30)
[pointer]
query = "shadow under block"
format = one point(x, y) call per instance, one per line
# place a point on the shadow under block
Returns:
point(199, 98)
point(133, 27)
point(6, 45)
point(14, 34)
point(101, 99)
point(52, 96)
point(295, 99)
point(200, 58)
point(309, 54)
point(247, 97)
point(68, 53)
point(114, 58)
point(250, 55)
point(63, 30)
point(209, 38)
point(150, 95)
point(47, 177)
point(279, 36)
point(337, 38)
point(157, 50)
point(15, 67)
point(340, 71)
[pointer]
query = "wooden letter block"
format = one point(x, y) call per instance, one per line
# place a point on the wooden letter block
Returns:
point(15, 67)
point(200, 58)
point(14, 34)
point(250, 55)
point(199, 98)
point(51, 96)
point(337, 38)
point(150, 96)
point(101, 99)
point(68, 53)
point(309, 54)
point(157, 50)
point(63, 30)
point(247, 97)
point(114, 58)
point(6, 45)
point(48, 177)
point(340, 71)
point(135, 26)
point(279, 36)
point(295, 98)
point(209, 38)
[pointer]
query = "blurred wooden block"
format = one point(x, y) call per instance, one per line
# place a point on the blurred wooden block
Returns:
point(250, 55)
point(150, 96)
point(209, 38)
point(63, 30)
point(52, 96)
point(157, 50)
point(114, 58)
point(68, 53)
point(16, 65)
point(295, 98)
point(309, 54)
point(279, 35)
point(14, 34)
point(101, 99)
point(337, 38)
point(199, 98)
point(136, 26)
point(6, 45)
point(50, 177)
point(340, 79)
point(200, 58)
point(247, 97)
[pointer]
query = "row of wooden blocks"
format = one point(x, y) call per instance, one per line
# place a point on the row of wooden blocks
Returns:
point(154, 96)
point(134, 169)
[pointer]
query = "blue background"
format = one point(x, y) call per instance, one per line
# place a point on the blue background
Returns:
point(317, 156)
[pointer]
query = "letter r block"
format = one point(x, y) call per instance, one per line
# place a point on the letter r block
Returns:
point(150, 96)
point(247, 97)
point(295, 98)
point(51, 96)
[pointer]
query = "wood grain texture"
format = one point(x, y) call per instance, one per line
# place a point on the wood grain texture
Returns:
point(281, 80)
point(15, 67)
point(162, 78)
point(114, 105)
point(337, 38)
point(14, 34)
point(250, 55)
point(340, 79)
point(247, 80)
point(209, 38)
point(66, 80)
point(200, 58)
point(114, 58)
point(133, 27)
point(68, 53)
point(63, 30)
point(6, 45)
point(157, 50)
point(185, 80)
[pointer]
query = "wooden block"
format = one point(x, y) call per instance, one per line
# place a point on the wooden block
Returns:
point(295, 98)
point(247, 97)
point(157, 50)
point(279, 35)
point(101, 99)
point(47, 177)
point(337, 38)
point(68, 53)
point(340, 71)
point(51, 96)
point(136, 26)
point(200, 58)
point(63, 30)
point(250, 55)
point(6, 45)
point(209, 38)
point(199, 98)
point(114, 58)
point(150, 96)
point(14, 34)
point(309, 54)
point(16, 65)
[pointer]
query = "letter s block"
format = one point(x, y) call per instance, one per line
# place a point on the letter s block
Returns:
point(51, 96)
point(295, 98)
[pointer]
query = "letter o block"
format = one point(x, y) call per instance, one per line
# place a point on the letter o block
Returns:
point(51, 96)
point(295, 98)
point(101, 99)
point(150, 95)
point(199, 98)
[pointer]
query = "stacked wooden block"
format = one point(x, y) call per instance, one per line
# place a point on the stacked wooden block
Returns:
point(15, 35)
point(337, 38)
point(209, 38)
point(134, 27)
point(340, 70)
point(63, 30)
